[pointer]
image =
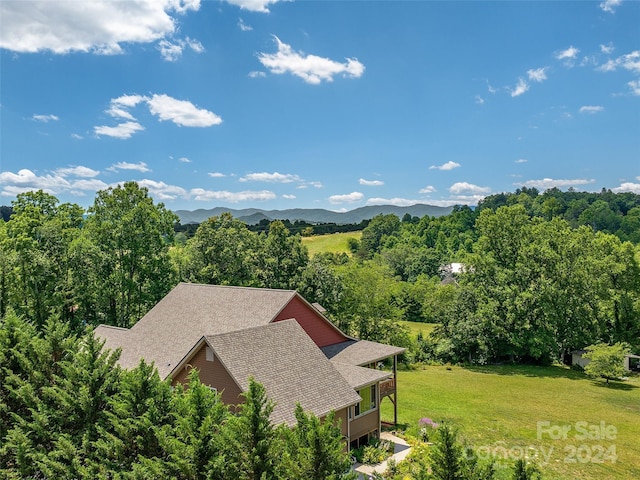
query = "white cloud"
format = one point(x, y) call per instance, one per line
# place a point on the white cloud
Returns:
point(547, 183)
point(243, 26)
point(96, 26)
point(45, 118)
point(128, 100)
point(371, 183)
point(398, 202)
point(311, 68)
point(460, 200)
point(87, 185)
point(253, 5)
point(316, 184)
point(140, 167)
point(465, 187)
point(216, 174)
point(628, 187)
point(428, 189)
point(274, 177)
point(629, 61)
point(348, 198)
point(25, 178)
point(76, 136)
point(163, 191)
point(289, 197)
point(607, 49)
point(591, 109)
point(181, 112)
point(610, 5)
point(569, 54)
point(521, 160)
point(172, 50)
point(118, 112)
point(257, 74)
point(445, 166)
point(520, 88)
point(537, 75)
point(123, 130)
point(479, 100)
point(635, 86)
point(78, 171)
point(231, 197)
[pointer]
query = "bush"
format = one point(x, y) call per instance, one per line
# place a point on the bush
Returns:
point(374, 453)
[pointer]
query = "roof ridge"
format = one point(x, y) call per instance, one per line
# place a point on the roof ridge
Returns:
point(238, 287)
point(113, 327)
point(249, 329)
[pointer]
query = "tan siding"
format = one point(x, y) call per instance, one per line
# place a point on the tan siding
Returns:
point(365, 424)
point(320, 331)
point(212, 374)
point(343, 417)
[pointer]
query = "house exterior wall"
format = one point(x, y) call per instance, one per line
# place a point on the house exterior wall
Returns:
point(321, 332)
point(343, 417)
point(212, 374)
point(578, 359)
point(365, 424)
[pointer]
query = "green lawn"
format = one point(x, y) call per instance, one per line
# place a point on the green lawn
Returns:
point(332, 242)
point(419, 327)
point(497, 409)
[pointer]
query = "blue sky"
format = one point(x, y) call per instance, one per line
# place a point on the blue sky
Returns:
point(318, 104)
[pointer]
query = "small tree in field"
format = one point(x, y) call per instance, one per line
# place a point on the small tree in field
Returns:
point(606, 361)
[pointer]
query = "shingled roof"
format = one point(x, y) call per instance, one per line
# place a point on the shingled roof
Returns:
point(293, 371)
point(238, 324)
point(185, 315)
point(359, 377)
point(360, 352)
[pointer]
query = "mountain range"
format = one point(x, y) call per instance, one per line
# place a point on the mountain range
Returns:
point(252, 216)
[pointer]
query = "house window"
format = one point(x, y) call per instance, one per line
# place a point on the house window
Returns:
point(368, 402)
point(209, 354)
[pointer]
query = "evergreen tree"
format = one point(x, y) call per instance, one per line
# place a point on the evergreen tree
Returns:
point(315, 447)
point(190, 443)
point(446, 455)
point(252, 450)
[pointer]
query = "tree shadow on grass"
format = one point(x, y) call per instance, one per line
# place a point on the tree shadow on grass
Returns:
point(614, 385)
point(528, 371)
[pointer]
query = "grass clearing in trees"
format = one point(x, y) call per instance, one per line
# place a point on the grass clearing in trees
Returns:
point(571, 424)
point(332, 242)
point(418, 327)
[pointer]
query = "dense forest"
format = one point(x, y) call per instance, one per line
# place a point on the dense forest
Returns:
point(541, 275)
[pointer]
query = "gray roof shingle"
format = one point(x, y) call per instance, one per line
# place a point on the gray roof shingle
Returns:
point(187, 313)
point(283, 358)
point(359, 377)
point(360, 352)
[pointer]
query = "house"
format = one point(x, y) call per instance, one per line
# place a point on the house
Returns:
point(230, 334)
point(631, 362)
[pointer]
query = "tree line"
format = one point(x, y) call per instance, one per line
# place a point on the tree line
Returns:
point(533, 289)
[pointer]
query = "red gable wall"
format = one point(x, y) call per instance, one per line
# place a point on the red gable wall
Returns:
point(320, 331)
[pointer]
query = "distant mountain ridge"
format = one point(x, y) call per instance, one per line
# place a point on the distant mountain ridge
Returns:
point(253, 216)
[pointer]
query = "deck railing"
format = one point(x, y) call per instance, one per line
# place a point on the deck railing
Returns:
point(387, 387)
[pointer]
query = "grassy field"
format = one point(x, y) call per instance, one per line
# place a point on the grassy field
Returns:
point(505, 410)
point(333, 242)
point(419, 327)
